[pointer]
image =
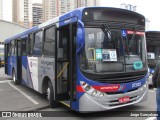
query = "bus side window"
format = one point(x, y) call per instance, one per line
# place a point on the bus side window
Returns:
point(24, 46)
point(37, 47)
point(63, 42)
point(12, 47)
point(30, 45)
point(8, 49)
point(49, 42)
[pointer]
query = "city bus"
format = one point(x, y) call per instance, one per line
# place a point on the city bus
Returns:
point(89, 59)
point(2, 55)
point(153, 51)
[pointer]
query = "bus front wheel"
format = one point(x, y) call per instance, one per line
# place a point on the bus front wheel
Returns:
point(50, 95)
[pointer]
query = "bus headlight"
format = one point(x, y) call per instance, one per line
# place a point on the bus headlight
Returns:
point(87, 88)
point(94, 92)
point(91, 91)
point(101, 94)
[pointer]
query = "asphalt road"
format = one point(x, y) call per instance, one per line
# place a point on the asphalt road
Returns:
point(20, 98)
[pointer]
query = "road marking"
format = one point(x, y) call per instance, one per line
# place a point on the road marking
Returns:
point(151, 118)
point(5, 81)
point(27, 96)
point(152, 91)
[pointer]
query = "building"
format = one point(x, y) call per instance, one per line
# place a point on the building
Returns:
point(9, 29)
point(88, 3)
point(37, 14)
point(54, 8)
point(49, 9)
point(1, 10)
point(22, 12)
point(66, 6)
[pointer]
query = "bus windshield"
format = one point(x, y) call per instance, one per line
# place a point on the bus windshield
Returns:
point(153, 51)
point(112, 51)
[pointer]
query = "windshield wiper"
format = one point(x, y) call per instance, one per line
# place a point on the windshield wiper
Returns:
point(128, 43)
point(128, 47)
point(107, 31)
point(134, 33)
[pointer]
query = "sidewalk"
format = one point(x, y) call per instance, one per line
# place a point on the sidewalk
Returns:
point(18, 97)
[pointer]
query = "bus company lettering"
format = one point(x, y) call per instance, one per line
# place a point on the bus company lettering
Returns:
point(132, 32)
point(110, 88)
point(31, 59)
point(46, 63)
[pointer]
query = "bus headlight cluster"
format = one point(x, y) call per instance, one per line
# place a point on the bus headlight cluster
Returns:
point(90, 90)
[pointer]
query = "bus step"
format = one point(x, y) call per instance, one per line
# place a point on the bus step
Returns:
point(64, 79)
point(66, 103)
point(62, 60)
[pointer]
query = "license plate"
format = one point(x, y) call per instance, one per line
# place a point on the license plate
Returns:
point(124, 99)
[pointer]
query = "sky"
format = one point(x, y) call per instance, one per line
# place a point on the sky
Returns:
point(149, 8)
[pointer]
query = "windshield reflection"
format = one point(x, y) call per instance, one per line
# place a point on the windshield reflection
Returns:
point(111, 52)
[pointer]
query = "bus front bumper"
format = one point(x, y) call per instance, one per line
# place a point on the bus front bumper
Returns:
point(88, 103)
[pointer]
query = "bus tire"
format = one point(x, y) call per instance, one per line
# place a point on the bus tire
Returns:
point(50, 95)
point(14, 77)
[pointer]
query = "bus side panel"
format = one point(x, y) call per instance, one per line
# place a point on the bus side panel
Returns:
point(46, 69)
point(31, 68)
point(11, 64)
point(9, 72)
point(38, 69)
point(24, 71)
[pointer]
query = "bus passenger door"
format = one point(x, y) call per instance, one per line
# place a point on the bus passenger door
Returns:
point(6, 56)
point(65, 64)
point(19, 61)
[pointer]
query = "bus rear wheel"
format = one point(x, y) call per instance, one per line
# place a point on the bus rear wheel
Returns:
point(14, 77)
point(50, 95)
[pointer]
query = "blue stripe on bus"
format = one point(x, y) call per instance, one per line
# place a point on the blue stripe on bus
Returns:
point(72, 17)
point(24, 65)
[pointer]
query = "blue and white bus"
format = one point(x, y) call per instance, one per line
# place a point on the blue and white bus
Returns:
point(153, 51)
point(90, 59)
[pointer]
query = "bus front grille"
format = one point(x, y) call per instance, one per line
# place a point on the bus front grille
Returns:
point(120, 92)
point(121, 79)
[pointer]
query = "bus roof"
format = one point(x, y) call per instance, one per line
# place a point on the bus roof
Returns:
point(152, 35)
point(148, 32)
point(74, 13)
